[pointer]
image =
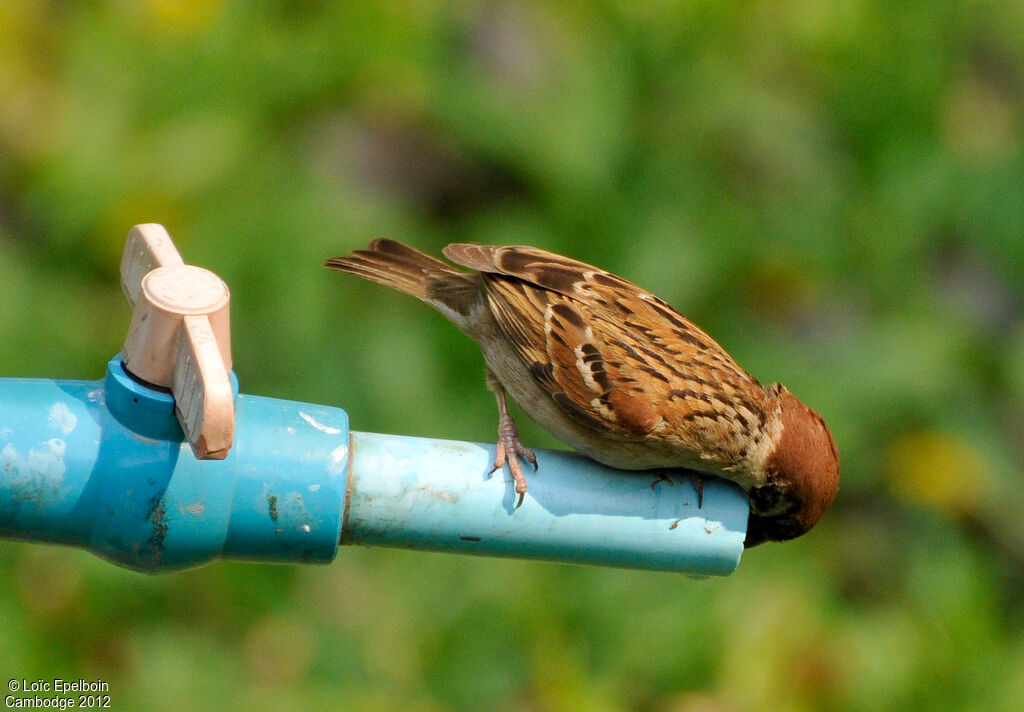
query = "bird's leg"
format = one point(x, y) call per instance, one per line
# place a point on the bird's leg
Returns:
point(509, 449)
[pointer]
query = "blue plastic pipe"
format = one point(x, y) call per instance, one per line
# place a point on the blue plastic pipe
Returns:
point(102, 465)
point(436, 494)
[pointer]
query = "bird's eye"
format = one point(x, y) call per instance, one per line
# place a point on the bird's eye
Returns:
point(767, 499)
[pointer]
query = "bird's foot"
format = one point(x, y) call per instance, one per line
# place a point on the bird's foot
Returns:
point(509, 450)
point(662, 477)
point(696, 479)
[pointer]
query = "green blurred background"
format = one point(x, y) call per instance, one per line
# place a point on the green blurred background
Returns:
point(834, 190)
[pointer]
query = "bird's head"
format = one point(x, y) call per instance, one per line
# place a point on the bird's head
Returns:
point(802, 475)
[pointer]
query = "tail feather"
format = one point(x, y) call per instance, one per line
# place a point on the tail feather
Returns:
point(401, 267)
point(400, 252)
point(395, 265)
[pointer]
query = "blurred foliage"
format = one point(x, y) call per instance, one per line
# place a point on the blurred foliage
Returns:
point(835, 190)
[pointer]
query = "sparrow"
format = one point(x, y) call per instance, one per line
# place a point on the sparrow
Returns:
point(618, 374)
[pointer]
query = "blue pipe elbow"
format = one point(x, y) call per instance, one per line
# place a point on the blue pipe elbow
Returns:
point(103, 465)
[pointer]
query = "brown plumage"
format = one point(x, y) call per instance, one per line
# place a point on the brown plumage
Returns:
point(619, 375)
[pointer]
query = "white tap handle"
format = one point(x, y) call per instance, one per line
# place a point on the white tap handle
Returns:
point(148, 246)
point(179, 337)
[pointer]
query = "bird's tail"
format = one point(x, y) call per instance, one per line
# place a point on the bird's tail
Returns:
point(399, 266)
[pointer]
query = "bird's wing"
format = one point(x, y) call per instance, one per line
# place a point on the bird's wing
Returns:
point(614, 357)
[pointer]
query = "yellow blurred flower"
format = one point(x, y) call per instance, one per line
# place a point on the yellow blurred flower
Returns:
point(184, 16)
point(938, 469)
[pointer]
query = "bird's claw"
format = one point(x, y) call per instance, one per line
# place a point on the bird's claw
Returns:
point(509, 450)
point(697, 480)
